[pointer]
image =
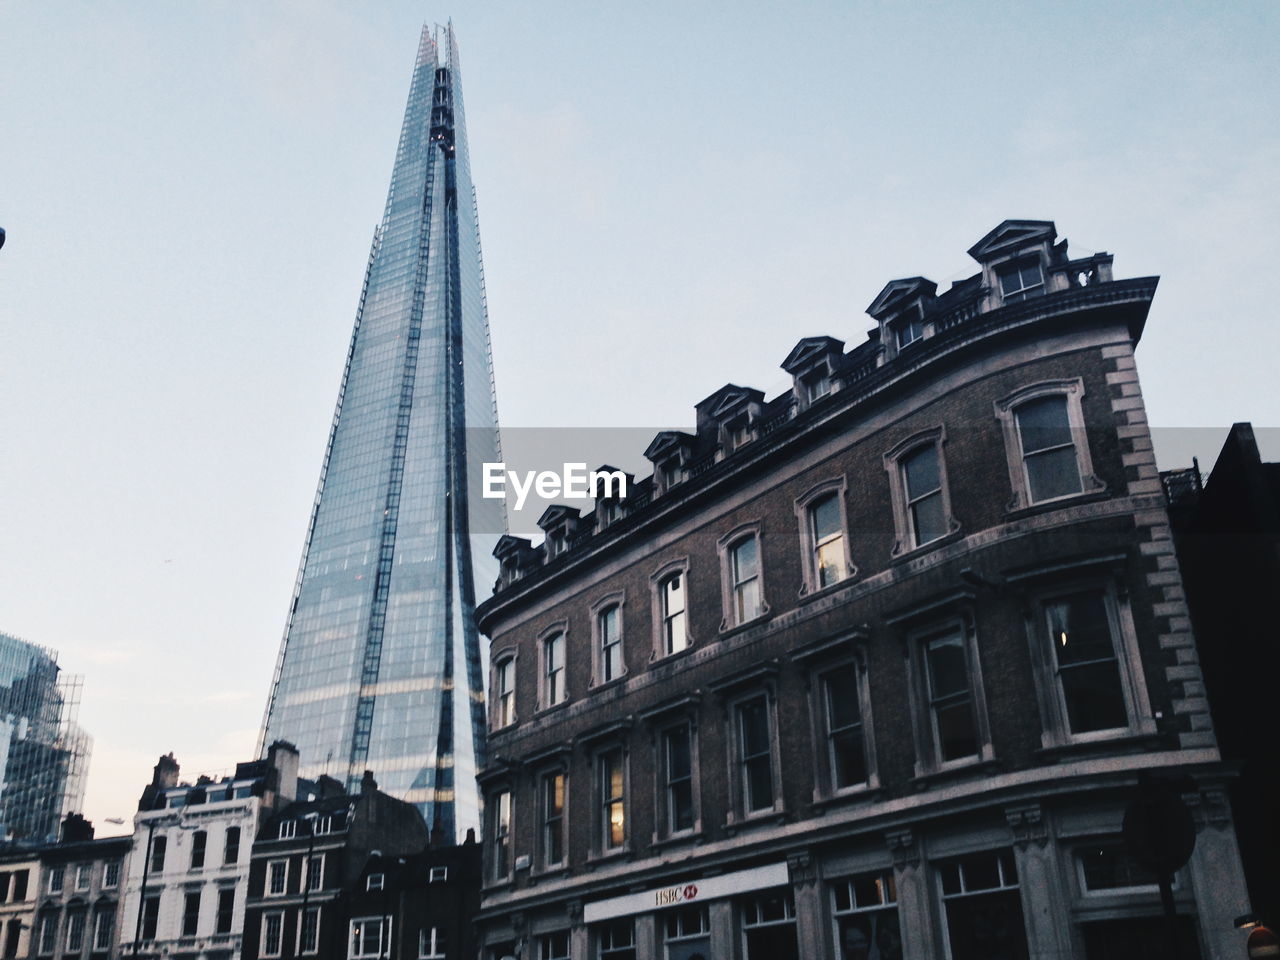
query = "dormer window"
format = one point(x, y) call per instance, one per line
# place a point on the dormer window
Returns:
point(511, 570)
point(817, 384)
point(671, 473)
point(609, 511)
point(557, 543)
point(908, 328)
point(1021, 280)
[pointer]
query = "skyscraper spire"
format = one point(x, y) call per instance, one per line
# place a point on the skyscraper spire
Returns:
point(380, 664)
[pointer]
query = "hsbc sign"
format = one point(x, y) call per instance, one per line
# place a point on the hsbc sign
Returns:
point(675, 894)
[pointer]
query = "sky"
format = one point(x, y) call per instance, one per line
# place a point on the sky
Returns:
point(670, 196)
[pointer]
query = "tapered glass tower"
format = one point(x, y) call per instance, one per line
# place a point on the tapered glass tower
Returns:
point(380, 664)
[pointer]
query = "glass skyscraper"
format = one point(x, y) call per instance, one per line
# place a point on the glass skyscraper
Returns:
point(44, 754)
point(380, 665)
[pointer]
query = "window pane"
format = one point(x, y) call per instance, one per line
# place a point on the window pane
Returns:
point(948, 669)
point(673, 594)
point(927, 521)
point(921, 472)
point(747, 600)
point(986, 926)
point(1053, 473)
point(826, 517)
point(849, 759)
point(956, 736)
point(1094, 698)
point(1043, 423)
point(1080, 634)
point(745, 556)
point(831, 562)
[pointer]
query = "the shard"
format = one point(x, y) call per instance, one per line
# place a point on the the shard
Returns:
point(380, 666)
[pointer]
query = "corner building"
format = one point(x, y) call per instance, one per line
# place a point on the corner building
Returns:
point(870, 669)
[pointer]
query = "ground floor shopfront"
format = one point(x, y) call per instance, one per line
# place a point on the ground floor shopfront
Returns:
point(1027, 881)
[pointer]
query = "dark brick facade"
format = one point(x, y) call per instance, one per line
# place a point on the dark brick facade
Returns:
point(1040, 787)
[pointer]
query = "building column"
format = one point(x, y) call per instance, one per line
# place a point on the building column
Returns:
point(579, 938)
point(1045, 904)
point(915, 900)
point(812, 937)
point(724, 938)
point(646, 936)
point(1217, 878)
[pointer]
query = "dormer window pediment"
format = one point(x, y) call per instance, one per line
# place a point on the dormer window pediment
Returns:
point(669, 451)
point(812, 364)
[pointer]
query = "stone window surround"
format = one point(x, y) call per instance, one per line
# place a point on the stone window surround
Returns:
point(558, 629)
point(508, 657)
point(839, 486)
point(599, 750)
point(1005, 409)
point(617, 598)
point(661, 724)
point(540, 864)
point(904, 536)
point(669, 568)
point(824, 788)
point(736, 814)
point(924, 737)
point(725, 546)
point(1056, 730)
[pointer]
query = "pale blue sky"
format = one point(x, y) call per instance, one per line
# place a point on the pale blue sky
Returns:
point(671, 194)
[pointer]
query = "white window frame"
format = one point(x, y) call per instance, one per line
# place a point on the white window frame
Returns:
point(738, 811)
point(544, 819)
point(307, 872)
point(546, 698)
point(47, 939)
point(808, 544)
point(429, 944)
point(77, 925)
point(84, 876)
point(675, 567)
point(1019, 262)
point(1103, 892)
point(825, 787)
point(438, 875)
point(375, 881)
point(598, 610)
point(924, 732)
point(268, 877)
point(905, 539)
point(886, 886)
point(57, 879)
point(665, 826)
point(1019, 480)
point(501, 833)
point(299, 947)
point(504, 696)
point(111, 875)
point(726, 546)
point(288, 830)
point(545, 953)
point(263, 950)
point(1056, 724)
point(322, 826)
point(384, 937)
point(104, 929)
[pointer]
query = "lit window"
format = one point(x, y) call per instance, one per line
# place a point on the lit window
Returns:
point(500, 834)
point(609, 635)
point(1048, 448)
point(370, 938)
point(505, 684)
point(1021, 281)
point(744, 564)
point(553, 819)
point(553, 684)
point(671, 592)
point(825, 540)
point(754, 735)
point(612, 787)
point(272, 933)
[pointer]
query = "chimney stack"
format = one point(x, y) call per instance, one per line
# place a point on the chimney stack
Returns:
point(282, 757)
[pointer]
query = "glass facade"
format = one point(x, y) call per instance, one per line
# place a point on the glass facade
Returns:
point(380, 668)
point(43, 752)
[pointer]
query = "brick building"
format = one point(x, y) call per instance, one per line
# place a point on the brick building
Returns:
point(306, 857)
point(79, 902)
point(869, 669)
